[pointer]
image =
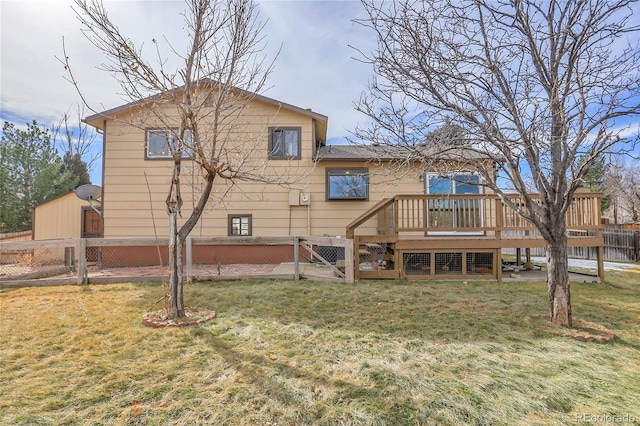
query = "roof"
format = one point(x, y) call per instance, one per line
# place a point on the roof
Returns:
point(95, 120)
point(59, 197)
point(396, 152)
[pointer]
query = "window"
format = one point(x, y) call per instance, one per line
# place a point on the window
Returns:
point(348, 183)
point(240, 225)
point(284, 143)
point(158, 143)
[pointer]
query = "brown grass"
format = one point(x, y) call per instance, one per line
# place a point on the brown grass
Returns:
point(308, 353)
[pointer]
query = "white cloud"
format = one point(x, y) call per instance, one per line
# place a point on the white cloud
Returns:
point(314, 70)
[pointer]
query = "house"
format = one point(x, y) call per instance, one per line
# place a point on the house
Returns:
point(137, 174)
point(440, 223)
point(137, 171)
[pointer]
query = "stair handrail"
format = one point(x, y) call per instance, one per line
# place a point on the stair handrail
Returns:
point(375, 209)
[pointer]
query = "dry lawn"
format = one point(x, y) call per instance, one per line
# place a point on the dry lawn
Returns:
point(309, 353)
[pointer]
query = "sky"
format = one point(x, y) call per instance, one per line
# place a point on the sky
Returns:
point(315, 67)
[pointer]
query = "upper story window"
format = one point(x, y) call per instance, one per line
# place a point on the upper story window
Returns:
point(347, 183)
point(159, 141)
point(284, 143)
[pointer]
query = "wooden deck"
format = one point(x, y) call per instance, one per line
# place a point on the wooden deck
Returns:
point(457, 236)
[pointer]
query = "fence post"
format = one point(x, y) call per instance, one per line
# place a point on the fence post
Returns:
point(296, 257)
point(189, 255)
point(636, 245)
point(348, 262)
point(81, 256)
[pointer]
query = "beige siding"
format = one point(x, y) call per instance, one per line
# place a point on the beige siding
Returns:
point(133, 203)
point(59, 218)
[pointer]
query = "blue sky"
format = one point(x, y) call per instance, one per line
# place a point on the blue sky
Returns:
point(314, 69)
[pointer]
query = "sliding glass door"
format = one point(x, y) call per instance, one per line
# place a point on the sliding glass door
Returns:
point(446, 212)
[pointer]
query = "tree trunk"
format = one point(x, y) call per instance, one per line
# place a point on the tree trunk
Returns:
point(558, 282)
point(175, 304)
point(176, 300)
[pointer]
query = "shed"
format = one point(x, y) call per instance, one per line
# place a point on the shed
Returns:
point(66, 216)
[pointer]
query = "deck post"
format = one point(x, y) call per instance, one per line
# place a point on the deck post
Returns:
point(356, 257)
point(499, 218)
point(498, 264)
point(600, 255)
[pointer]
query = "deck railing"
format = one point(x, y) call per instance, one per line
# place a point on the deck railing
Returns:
point(473, 213)
point(430, 236)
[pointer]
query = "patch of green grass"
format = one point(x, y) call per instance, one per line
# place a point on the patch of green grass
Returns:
point(309, 353)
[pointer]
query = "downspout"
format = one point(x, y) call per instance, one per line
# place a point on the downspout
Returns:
point(104, 159)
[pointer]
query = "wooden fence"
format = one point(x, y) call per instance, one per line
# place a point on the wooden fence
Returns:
point(110, 260)
point(16, 236)
point(620, 245)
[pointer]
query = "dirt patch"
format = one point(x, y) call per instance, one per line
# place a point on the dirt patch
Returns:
point(159, 319)
point(587, 331)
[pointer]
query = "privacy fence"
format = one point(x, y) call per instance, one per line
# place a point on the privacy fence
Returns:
point(108, 260)
point(620, 245)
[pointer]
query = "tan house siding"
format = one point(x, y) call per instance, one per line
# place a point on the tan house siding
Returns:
point(127, 204)
point(135, 188)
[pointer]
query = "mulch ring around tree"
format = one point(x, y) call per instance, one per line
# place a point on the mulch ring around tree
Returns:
point(586, 331)
point(159, 319)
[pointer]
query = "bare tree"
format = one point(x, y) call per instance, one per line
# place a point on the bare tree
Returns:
point(76, 143)
point(623, 181)
point(631, 201)
point(532, 83)
point(75, 138)
point(613, 181)
point(200, 103)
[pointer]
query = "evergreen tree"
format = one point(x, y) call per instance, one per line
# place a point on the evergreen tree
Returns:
point(74, 165)
point(594, 180)
point(31, 173)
